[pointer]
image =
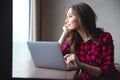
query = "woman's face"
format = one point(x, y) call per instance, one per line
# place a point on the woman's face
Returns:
point(72, 21)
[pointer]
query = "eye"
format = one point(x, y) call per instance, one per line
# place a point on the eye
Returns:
point(70, 16)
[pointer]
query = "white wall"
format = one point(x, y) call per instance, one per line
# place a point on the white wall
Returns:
point(53, 16)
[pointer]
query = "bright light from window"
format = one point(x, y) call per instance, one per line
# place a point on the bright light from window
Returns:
point(20, 30)
point(20, 20)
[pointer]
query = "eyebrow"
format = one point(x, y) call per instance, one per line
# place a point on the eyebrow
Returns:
point(70, 13)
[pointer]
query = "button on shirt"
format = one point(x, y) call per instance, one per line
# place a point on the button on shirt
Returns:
point(96, 54)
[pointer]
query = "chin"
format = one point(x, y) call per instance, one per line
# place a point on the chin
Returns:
point(73, 29)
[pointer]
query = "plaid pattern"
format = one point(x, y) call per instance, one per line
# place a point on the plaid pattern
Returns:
point(95, 54)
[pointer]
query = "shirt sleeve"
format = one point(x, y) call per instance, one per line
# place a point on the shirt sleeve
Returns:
point(108, 55)
point(65, 48)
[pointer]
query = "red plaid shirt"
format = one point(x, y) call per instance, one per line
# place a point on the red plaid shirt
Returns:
point(95, 54)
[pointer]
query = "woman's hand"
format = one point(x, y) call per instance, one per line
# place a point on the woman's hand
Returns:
point(63, 36)
point(65, 28)
point(69, 58)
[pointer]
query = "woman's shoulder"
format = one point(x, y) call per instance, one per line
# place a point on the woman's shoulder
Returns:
point(105, 36)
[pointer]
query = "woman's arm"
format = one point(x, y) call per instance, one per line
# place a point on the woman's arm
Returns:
point(92, 69)
point(63, 36)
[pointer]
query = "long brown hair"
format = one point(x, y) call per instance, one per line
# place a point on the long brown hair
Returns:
point(88, 20)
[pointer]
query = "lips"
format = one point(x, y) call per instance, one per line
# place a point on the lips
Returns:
point(68, 25)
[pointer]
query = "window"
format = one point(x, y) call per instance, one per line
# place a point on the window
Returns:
point(20, 31)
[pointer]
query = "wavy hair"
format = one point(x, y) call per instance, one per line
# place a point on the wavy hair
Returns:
point(88, 20)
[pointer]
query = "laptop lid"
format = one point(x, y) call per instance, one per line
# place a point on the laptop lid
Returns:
point(47, 54)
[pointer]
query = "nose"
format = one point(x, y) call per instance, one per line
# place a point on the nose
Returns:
point(66, 20)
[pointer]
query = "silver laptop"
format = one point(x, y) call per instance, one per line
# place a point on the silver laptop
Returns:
point(47, 54)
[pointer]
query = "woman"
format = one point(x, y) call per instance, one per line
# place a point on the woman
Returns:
point(90, 47)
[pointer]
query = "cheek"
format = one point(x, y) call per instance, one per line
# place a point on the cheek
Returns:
point(75, 24)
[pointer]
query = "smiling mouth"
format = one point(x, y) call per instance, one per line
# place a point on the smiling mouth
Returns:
point(68, 25)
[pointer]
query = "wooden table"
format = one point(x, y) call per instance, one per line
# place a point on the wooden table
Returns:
point(30, 71)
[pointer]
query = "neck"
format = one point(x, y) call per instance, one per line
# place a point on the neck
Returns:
point(84, 35)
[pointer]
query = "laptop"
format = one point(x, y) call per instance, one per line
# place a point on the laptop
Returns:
point(47, 54)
